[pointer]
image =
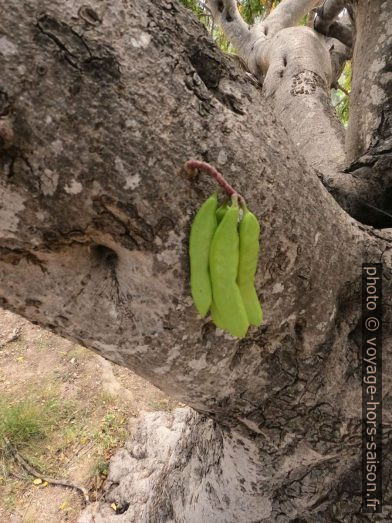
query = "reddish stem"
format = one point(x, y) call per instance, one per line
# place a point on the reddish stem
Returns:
point(191, 165)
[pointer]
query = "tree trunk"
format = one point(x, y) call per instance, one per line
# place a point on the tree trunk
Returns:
point(101, 106)
point(369, 135)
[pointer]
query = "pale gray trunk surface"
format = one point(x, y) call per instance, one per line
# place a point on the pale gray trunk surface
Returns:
point(101, 106)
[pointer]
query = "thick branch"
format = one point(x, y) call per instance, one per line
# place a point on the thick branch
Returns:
point(287, 14)
point(226, 14)
point(298, 76)
point(246, 40)
point(297, 67)
point(105, 262)
point(370, 109)
point(341, 32)
point(294, 64)
point(369, 137)
point(326, 24)
point(327, 13)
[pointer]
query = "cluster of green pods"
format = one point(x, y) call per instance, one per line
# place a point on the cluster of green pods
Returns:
point(223, 252)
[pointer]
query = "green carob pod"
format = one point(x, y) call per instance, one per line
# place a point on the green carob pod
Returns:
point(202, 232)
point(249, 232)
point(224, 259)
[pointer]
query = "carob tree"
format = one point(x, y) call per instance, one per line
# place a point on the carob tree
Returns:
point(100, 106)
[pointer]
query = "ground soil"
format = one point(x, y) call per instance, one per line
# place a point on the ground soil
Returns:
point(97, 404)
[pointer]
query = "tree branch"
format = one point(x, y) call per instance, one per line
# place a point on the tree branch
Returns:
point(368, 138)
point(226, 14)
point(105, 263)
point(327, 13)
point(325, 23)
point(339, 54)
point(294, 65)
point(341, 32)
point(287, 14)
point(298, 78)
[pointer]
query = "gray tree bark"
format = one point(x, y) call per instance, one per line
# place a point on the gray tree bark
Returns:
point(100, 108)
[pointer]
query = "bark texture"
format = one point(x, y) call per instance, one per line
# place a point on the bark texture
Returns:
point(101, 106)
point(182, 467)
point(297, 66)
point(292, 62)
point(202, 459)
point(369, 136)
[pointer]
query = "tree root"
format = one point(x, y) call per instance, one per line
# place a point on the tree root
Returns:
point(52, 481)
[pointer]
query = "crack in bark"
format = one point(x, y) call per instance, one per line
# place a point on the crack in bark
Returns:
point(136, 228)
point(77, 52)
point(211, 70)
point(14, 256)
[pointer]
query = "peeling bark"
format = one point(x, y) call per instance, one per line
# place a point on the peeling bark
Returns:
point(104, 106)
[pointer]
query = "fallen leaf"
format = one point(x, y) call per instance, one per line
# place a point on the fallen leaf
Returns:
point(37, 481)
point(114, 506)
